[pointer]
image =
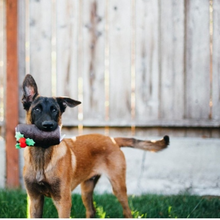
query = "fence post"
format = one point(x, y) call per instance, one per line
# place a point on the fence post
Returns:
point(11, 113)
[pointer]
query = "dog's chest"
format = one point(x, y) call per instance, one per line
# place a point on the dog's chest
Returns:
point(35, 177)
point(49, 189)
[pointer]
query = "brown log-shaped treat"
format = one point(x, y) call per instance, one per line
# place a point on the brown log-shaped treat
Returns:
point(41, 138)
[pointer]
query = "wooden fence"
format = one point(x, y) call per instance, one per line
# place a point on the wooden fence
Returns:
point(132, 63)
point(144, 66)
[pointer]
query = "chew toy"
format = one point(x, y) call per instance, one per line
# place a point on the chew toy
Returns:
point(30, 135)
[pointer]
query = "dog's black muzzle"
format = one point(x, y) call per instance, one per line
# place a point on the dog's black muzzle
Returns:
point(49, 125)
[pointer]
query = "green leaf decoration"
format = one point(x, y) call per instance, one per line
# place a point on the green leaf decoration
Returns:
point(30, 142)
point(17, 146)
point(18, 135)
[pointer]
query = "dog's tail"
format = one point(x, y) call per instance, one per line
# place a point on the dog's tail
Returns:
point(147, 145)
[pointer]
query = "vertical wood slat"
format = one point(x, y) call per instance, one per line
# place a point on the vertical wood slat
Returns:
point(40, 44)
point(2, 59)
point(66, 54)
point(120, 61)
point(197, 60)
point(2, 89)
point(215, 62)
point(21, 53)
point(147, 60)
point(11, 115)
point(172, 59)
point(93, 43)
point(21, 71)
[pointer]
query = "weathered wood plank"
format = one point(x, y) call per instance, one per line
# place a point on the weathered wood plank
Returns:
point(147, 60)
point(146, 132)
point(40, 44)
point(66, 54)
point(93, 43)
point(11, 114)
point(216, 61)
point(21, 71)
point(21, 53)
point(206, 123)
point(172, 59)
point(2, 91)
point(120, 60)
point(215, 132)
point(2, 59)
point(197, 60)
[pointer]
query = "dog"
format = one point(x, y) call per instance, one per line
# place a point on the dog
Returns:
point(56, 170)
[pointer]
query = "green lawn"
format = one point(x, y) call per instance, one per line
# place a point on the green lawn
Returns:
point(13, 204)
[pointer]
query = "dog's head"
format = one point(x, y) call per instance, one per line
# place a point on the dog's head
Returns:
point(44, 112)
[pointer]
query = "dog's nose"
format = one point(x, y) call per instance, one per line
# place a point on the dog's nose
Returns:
point(48, 124)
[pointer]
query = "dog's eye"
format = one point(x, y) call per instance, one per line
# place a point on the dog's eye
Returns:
point(53, 109)
point(37, 110)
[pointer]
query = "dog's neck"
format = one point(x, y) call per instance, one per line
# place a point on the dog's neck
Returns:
point(41, 158)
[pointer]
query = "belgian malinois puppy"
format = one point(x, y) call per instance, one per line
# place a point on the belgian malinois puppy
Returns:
point(56, 170)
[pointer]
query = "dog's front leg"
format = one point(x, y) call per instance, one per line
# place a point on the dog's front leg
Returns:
point(35, 206)
point(63, 205)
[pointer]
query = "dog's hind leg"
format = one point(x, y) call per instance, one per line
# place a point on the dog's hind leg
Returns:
point(117, 177)
point(120, 191)
point(87, 188)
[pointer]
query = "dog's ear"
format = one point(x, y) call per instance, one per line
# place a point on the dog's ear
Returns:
point(30, 91)
point(66, 101)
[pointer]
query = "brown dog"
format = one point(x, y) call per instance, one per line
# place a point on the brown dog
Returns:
point(56, 170)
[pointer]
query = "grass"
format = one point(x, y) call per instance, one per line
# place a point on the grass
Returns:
point(13, 204)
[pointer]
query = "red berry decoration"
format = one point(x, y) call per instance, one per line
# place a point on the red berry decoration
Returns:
point(22, 142)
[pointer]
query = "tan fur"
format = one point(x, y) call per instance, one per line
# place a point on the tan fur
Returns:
point(56, 171)
point(78, 160)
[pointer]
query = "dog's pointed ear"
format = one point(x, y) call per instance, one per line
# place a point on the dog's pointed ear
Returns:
point(30, 91)
point(66, 101)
